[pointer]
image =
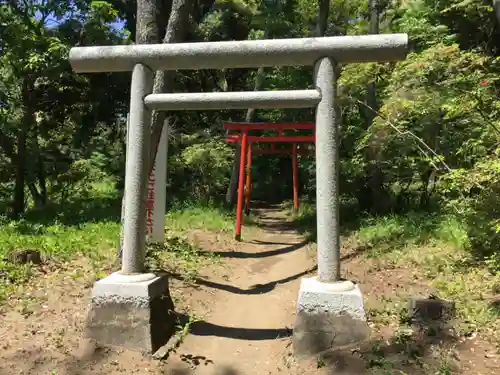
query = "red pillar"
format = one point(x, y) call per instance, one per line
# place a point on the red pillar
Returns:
point(248, 180)
point(295, 174)
point(241, 180)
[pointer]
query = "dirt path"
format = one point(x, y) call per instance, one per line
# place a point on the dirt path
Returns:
point(253, 312)
point(244, 310)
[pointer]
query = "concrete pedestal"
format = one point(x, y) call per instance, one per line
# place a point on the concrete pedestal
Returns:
point(132, 312)
point(329, 316)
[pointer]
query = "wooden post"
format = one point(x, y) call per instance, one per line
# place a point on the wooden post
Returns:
point(241, 181)
point(295, 173)
point(248, 180)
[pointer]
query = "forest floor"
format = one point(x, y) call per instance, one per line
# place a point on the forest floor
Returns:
point(240, 298)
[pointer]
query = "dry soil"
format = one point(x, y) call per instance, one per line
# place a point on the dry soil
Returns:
point(242, 314)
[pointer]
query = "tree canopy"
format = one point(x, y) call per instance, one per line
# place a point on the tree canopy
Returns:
point(418, 134)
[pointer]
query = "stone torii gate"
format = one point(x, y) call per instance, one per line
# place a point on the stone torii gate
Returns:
point(129, 308)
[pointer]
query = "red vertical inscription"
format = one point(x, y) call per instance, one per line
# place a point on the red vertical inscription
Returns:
point(150, 202)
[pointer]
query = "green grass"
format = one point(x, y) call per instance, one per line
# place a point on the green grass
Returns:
point(438, 249)
point(189, 216)
point(432, 246)
point(82, 226)
point(88, 228)
point(58, 240)
point(392, 232)
point(178, 254)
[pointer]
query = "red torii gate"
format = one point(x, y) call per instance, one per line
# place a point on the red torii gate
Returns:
point(247, 149)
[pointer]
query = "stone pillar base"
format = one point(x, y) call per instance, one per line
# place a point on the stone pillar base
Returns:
point(132, 312)
point(330, 316)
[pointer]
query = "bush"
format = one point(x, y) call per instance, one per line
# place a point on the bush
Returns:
point(201, 171)
point(474, 195)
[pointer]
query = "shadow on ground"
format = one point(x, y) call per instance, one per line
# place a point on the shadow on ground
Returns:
point(204, 328)
point(219, 371)
point(262, 254)
point(255, 289)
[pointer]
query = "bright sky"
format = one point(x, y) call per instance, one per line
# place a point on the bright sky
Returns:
point(52, 21)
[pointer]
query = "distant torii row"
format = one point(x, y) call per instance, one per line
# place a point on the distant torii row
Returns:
point(247, 149)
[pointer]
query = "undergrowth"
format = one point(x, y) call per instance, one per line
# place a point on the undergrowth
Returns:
point(178, 254)
point(192, 215)
point(431, 246)
point(88, 228)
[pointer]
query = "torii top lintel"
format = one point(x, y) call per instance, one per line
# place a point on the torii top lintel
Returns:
point(245, 127)
point(268, 126)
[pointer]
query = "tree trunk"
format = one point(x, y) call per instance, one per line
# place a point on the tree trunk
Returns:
point(154, 16)
point(37, 197)
point(177, 29)
point(147, 27)
point(42, 180)
point(376, 178)
point(496, 5)
point(176, 32)
point(7, 147)
point(27, 120)
point(37, 174)
point(18, 206)
point(324, 10)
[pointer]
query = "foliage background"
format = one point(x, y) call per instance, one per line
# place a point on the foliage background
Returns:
point(431, 142)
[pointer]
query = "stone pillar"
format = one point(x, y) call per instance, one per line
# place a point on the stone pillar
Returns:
point(132, 308)
point(330, 312)
point(327, 171)
point(136, 171)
